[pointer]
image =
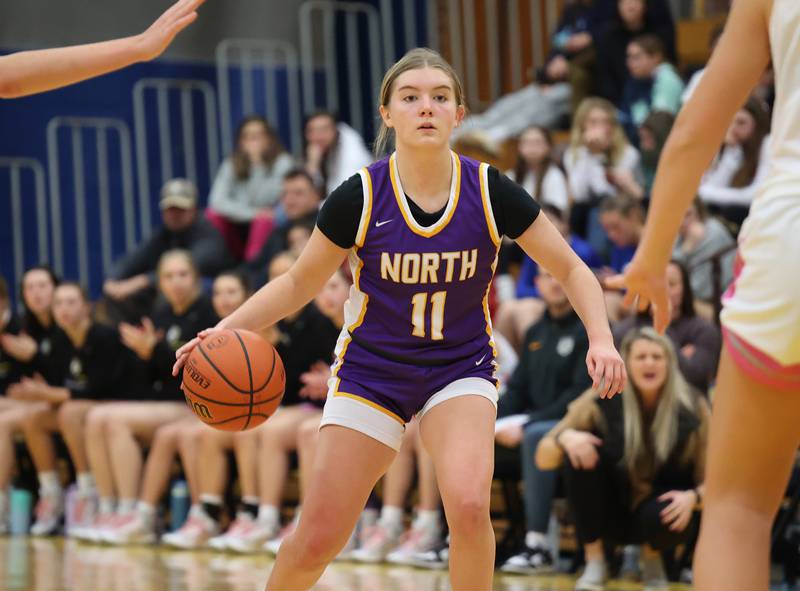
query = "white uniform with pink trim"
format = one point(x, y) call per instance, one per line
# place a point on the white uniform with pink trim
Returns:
point(761, 315)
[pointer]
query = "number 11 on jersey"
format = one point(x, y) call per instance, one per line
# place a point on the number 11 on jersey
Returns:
point(419, 305)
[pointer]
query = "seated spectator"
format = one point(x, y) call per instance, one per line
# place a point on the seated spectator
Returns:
point(515, 316)
point(633, 464)
point(184, 439)
point(334, 151)
point(130, 291)
point(730, 184)
point(653, 134)
point(248, 186)
point(653, 84)
point(696, 340)
point(700, 238)
point(536, 170)
point(599, 162)
point(631, 19)
point(94, 366)
point(116, 433)
point(550, 375)
point(622, 218)
point(300, 201)
point(10, 368)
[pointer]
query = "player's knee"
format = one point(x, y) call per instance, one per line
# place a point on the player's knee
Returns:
point(468, 513)
point(33, 418)
point(115, 425)
point(95, 422)
point(165, 437)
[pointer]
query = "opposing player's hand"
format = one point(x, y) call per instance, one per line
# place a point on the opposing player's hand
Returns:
point(182, 354)
point(160, 34)
point(646, 285)
point(606, 369)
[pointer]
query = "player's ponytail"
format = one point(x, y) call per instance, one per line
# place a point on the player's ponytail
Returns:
point(420, 57)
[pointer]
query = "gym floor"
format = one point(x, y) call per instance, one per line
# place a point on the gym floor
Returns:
point(54, 564)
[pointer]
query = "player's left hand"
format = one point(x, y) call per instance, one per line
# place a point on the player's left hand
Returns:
point(160, 34)
point(606, 369)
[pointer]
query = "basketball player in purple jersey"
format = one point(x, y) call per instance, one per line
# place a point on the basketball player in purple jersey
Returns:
point(421, 230)
point(30, 72)
point(755, 426)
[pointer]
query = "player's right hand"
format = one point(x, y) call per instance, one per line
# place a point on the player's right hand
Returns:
point(646, 282)
point(182, 354)
point(160, 34)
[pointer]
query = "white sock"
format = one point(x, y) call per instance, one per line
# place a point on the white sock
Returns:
point(269, 515)
point(427, 520)
point(49, 483)
point(146, 511)
point(535, 539)
point(85, 482)
point(392, 517)
point(126, 506)
point(211, 499)
point(106, 505)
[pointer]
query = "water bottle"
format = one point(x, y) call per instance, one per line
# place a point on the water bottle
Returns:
point(21, 502)
point(178, 504)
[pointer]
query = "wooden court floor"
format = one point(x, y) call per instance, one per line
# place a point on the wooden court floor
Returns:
point(53, 564)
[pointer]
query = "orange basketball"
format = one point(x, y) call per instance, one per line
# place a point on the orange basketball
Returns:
point(234, 380)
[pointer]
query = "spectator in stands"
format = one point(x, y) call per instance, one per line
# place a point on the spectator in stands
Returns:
point(634, 464)
point(184, 438)
point(131, 289)
point(653, 85)
point(300, 201)
point(622, 218)
point(248, 186)
point(632, 18)
point(334, 151)
point(536, 169)
point(94, 366)
point(10, 368)
point(599, 162)
point(701, 238)
point(31, 349)
point(696, 340)
point(716, 33)
point(730, 184)
point(550, 375)
point(653, 134)
point(116, 432)
point(514, 317)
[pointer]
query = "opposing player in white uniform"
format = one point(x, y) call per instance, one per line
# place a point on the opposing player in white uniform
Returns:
point(30, 72)
point(755, 428)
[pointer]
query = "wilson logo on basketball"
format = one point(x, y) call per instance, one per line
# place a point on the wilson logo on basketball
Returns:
point(200, 409)
point(196, 376)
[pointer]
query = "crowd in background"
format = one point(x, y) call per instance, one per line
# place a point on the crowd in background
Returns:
point(98, 374)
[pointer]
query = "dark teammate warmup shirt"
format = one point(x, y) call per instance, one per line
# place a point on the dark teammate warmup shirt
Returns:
point(11, 370)
point(43, 362)
point(178, 330)
point(102, 368)
point(420, 293)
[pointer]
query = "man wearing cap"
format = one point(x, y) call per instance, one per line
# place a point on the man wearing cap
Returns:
point(130, 290)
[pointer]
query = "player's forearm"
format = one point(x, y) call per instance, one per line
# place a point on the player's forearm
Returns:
point(586, 296)
point(30, 72)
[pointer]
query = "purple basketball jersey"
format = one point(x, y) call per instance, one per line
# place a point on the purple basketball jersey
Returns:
point(420, 294)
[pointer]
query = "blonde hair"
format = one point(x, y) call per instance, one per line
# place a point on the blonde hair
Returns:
point(675, 394)
point(420, 57)
point(618, 139)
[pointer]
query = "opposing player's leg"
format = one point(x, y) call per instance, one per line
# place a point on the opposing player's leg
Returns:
point(347, 465)
point(459, 435)
point(757, 428)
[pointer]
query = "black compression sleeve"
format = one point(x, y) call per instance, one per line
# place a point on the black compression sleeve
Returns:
point(341, 213)
point(514, 209)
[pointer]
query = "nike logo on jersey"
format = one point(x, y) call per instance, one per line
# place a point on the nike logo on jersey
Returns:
point(480, 360)
point(383, 223)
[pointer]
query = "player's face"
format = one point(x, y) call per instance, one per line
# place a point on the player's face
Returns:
point(533, 147)
point(647, 366)
point(254, 140)
point(422, 109)
point(741, 128)
point(69, 307)
point(321, 131)
point(331, 299)
point(299, 197)
point(37, 291)
point(177, 280)
point(674, 289)
point(227, 295)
